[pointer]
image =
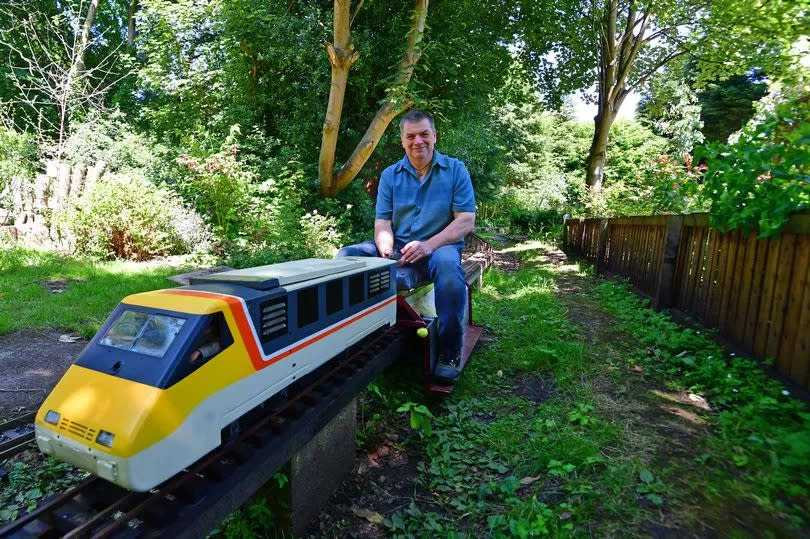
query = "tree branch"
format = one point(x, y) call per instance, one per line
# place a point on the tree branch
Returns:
point(391, 107)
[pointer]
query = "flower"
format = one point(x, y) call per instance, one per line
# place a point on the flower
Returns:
point(785, 392)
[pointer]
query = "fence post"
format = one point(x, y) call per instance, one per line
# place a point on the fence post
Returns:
point(600, 255)
point(565, 234)
point(665, 289)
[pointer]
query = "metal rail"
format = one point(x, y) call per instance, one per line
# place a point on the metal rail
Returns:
point(16, 434)
point(196, 500)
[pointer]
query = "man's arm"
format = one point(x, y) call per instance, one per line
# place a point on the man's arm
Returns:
point(384, 237)
point(461, 225)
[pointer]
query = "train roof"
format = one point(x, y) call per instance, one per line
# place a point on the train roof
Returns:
point(287, 273)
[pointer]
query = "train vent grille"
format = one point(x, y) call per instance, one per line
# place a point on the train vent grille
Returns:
point(379, 281)
point(77, 429)
point(273, 319)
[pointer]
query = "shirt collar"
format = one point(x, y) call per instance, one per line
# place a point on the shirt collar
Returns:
point(439, 160)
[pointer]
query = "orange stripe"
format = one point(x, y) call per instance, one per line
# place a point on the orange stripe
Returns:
point(248, 337)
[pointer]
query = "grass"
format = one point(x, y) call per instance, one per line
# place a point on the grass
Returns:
point(92, 290)
point(595, 428)
point(582, 413)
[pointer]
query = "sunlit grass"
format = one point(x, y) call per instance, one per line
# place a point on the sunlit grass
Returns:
point(91, 289)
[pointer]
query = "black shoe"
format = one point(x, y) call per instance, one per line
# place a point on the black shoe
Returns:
point(447, 370)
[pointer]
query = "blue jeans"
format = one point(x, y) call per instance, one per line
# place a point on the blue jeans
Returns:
point(443, 269)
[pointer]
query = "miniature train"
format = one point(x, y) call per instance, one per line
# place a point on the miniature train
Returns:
point(171, 370)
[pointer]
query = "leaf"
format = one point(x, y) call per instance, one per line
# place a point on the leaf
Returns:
point(529, 480)
point(646, 476)
point(655, 498)
point(372, 516)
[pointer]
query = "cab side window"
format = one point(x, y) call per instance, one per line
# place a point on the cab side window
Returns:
point(210, 340)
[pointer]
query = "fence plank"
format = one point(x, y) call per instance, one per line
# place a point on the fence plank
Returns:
point(783, 278)
point(696, 267)
point(753, 245)
point(796, 336)
point(765, 293)
point(707, 281)
point(757, 284)
point(718, 275)
point(728, 278)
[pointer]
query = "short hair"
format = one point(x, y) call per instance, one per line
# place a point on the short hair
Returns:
point(414, 116)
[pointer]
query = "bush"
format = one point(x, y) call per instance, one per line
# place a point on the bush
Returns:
point(110, 139)
point(280, 228)
point(757, 181)
point(130, 218)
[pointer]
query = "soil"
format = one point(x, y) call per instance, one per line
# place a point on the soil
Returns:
point(31, 362)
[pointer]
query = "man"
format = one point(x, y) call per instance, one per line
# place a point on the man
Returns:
point(425, 207)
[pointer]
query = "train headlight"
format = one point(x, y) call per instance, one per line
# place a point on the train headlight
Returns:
point(105, 438)
point(52, 417)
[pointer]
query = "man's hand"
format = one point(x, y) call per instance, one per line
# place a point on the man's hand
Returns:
point(414, 251)
point(385, 252)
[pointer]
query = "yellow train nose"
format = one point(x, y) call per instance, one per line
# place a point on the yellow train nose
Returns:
point(102, 411)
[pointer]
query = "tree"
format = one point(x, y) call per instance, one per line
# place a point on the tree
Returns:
point(726, 105)
point(671, 108)
point(342, 55)
point(617, 45)
point(47, 66)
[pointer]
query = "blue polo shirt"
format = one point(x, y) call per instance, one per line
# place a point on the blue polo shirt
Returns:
point(420, 210)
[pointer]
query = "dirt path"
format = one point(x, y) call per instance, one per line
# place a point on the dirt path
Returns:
point(31, 362)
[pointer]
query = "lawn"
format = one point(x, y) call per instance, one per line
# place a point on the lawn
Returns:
point(40, 289)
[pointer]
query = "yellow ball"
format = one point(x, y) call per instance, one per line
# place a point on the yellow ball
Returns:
point(422, 332)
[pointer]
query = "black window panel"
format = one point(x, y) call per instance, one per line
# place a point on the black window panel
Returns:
point(357, 289)
point(334, 296)
point(307, 306)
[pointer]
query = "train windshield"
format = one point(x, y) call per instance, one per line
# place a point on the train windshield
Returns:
point(144, 333)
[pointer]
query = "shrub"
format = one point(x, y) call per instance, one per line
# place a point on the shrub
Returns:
point(759, 180)
point(280, 228)
point(110, 139)
point(125, 217)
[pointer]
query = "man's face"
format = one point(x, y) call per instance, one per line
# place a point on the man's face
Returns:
point(418, 140)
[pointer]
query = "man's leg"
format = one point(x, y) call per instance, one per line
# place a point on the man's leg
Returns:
point(367, 248)
point(450, 288)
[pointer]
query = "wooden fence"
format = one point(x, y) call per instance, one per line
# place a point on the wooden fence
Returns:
point(756, 292)
point(35, 200)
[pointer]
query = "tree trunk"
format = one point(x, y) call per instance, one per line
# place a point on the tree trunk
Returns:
point(341, 55)
point(84, 37)
point(133, 8)
point(616, 57)
point(332, 183)
point(597, 155)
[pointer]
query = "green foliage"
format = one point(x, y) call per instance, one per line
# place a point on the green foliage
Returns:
point(128, 217)
point(672, 110)
point(420, 417)
point(762, 430)
point(727, 105)
point(29, 484)
point(758, 181)
point(111, 139)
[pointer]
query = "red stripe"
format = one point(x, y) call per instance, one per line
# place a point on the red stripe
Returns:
point(238, 312)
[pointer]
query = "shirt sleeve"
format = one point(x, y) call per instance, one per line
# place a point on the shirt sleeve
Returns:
point(463, 196)
point(385, 199)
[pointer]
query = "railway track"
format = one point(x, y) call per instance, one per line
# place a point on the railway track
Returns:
point(196, 500)
point(16, 435)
